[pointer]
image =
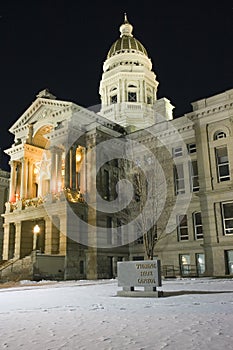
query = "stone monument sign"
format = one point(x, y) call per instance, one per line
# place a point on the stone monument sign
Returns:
point(144, 273)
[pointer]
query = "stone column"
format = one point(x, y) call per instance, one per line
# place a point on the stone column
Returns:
point(12, 181)
point(59, 170)
point(23, 184)
point(73, 167)
point(48, 235)
point(30, 180)
point(82, 184)
point(92, 254)
point(6, 241)
point(125, 91)
point(203, 160)
point(67, 168)
point(154, 96)
point(209, 229)
point(63, 235)
point(17, 239)
point(53, 171)
point(140, 99)
point(144, 91)
point(105, 97)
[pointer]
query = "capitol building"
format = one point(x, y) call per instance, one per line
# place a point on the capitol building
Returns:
point(88, 189)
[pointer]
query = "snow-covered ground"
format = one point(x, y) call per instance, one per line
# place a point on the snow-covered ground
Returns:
point(89, 315)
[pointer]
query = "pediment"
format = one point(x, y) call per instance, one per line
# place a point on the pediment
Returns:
point(40, 109)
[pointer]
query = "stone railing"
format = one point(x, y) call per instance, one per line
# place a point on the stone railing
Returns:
point(68, 194)
point(73, 196)
point(24, 204)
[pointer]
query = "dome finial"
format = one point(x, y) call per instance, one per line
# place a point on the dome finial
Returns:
point(125, 18)
point(126, 28)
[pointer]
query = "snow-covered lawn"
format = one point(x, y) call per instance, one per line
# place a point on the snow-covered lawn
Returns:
point(89, 315)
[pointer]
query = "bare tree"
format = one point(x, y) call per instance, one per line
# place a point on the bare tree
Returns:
point(152, 200)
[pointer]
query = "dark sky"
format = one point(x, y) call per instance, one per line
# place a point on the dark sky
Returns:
point(62, 44)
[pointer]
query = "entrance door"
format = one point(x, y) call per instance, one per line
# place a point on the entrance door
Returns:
point(229, 262)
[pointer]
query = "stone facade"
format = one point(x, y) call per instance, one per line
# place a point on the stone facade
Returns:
point(4, 187)
point(73, 171)
point(202, 189)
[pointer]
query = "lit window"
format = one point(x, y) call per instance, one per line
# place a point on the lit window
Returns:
point(185, 266)
point(194, 180)
point(227, 215)
point(191, 148)
point(200, 263)
point(229, 261)
point(182, 228)
point(132, 97)
point(219, 135)
point(113, 99)
point(179, 179)
point(222, 164)
point(197, 222)
point(177, 152)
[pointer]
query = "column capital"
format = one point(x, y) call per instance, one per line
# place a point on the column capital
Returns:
point(12, 163)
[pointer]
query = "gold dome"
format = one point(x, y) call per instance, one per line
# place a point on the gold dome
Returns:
point(126, 42)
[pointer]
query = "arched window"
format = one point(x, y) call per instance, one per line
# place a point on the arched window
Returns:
point(113, 99)
point(113, 95)
point(219, 135)
point(149, 98)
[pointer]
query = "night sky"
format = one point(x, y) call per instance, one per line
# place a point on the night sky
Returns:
point(62, 44)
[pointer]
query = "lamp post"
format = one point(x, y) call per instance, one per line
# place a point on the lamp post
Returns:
point(36, 231)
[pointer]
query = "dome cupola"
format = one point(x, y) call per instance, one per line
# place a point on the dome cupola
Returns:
point(128, 87)
point(126, 42)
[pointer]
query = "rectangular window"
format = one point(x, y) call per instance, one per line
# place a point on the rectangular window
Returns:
point(109, 230)
point(182, 228)
point(177, 152)
point(200, 263)
point(227, 215)
point(106, 191)
point(113, 99)
point(194, 179)
point(179, 179)
point(139, 240)
point(78, 180)
point(185, 267)
point(191, 148)
point(81, 267)
point(229, 261)
point(132, 97)
point(222, 164)
point(119, 233)
point(149, 100)
point(197, 222)
point(138, 258)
